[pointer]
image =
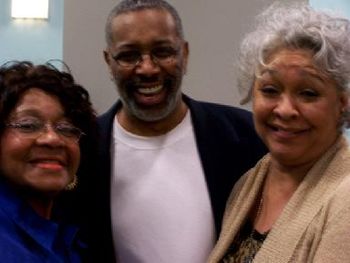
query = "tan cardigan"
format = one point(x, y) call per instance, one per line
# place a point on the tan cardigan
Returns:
point(315, 224)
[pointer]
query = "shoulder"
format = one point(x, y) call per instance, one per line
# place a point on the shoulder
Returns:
point(219, 114)
point(110, 113)
point(252, 180)
point(339, 171)
point(105, 120)
point(14, 240)
point(336, 206)
point(215, 108)
point(333, 226)
point(227, 127)
point(340, 198)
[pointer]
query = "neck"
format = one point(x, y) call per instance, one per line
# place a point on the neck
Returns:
point(280, 184)
point(155, 128)
point(287, 175)
point(281, 181)
point(42, 206)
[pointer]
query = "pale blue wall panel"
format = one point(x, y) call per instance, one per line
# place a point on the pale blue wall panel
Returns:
point(340, 6)
point(35, 40)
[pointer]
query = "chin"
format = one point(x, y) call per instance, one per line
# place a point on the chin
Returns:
point(291, 158)
point(52, 188)
point(153, 115)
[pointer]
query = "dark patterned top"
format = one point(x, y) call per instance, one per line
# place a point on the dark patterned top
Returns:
point(245, 246)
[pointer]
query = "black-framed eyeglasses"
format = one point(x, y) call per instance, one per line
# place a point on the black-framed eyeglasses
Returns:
point(161, 55)
point(33, 129)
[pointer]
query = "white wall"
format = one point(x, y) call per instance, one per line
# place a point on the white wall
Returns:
point(213, 28)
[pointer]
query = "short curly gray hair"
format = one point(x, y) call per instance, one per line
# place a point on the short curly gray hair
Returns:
point(296, 26)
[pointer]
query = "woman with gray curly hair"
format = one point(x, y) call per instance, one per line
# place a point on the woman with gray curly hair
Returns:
point(294, 205)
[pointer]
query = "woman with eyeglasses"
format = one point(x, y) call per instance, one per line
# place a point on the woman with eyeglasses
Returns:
point(46, 129)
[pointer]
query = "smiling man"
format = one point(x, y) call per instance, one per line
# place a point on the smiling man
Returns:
point(167, 162)
point(147, 59)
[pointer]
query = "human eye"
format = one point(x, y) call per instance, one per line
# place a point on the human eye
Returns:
point(68, 130)
point(164, 52)
point(130, 56)
point(269, 90)
point(27, 125)
point(309, 94)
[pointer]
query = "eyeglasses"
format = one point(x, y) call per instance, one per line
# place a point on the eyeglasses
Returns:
point(162, 55)
point(32, 129)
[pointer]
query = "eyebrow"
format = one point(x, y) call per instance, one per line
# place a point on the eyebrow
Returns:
point(310, 72)
point(26, 112)
point(33, 113)
point(138, 45)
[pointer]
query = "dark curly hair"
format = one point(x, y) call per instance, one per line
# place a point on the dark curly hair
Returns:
point(16, 77)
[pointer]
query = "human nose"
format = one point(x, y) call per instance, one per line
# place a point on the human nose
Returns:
point(48, 135)
point(286, 107)
point(147, 65)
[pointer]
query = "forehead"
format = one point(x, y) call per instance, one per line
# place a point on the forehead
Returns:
point(297, 61)
point(38, 100)
point(287, 57)
point(143, 27)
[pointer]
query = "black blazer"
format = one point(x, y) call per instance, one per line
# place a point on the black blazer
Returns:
point(227, 144)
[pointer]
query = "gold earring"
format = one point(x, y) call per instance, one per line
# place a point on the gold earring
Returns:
point(72, 185)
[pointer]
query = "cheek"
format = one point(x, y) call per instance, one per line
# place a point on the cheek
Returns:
point(324, 114)
point(74, 153)
point(179, 69)
point(13, 154)
point(262, 115)
point(175, 70)
point(261, 108)
point(122, 74)
point(13, 146)
point(259, 115)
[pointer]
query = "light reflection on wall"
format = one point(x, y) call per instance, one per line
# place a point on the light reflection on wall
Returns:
point(34, 40)
point(30, 9)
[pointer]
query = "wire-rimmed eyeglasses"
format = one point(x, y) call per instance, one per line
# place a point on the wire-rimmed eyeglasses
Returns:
point(161, 55)
point(33, 129)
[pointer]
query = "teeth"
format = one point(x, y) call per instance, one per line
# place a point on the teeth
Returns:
point(150, 90)
point(289, 131)
point(48, 161)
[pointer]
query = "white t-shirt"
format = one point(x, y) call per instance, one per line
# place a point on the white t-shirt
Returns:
point(161, 210)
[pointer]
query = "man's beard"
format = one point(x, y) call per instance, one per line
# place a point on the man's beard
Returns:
point(173, 95)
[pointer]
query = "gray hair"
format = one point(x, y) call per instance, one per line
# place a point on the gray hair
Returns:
point(126, 6)
point(296, 26)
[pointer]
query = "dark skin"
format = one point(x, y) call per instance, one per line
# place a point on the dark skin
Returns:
point(144, 30)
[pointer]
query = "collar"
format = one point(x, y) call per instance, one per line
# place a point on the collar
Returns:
point(44, 232)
